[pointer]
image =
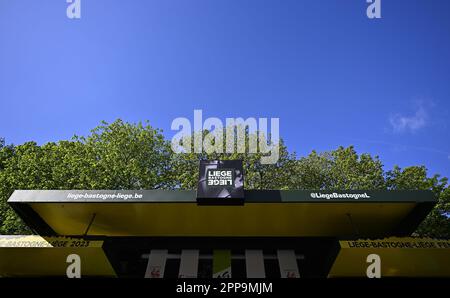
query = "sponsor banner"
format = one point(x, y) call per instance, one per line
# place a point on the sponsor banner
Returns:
point(38, 241)
point(156, 263)
point(288, 263)
point(36, 256)
point(134, 196)
point(221, 264)
point(188, 263)
point(398, 257)
point(254, 262)
point(220, 182)
point(408, 243)
point(340, 195)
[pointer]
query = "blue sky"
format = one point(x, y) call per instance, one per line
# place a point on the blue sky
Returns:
point(330, 74)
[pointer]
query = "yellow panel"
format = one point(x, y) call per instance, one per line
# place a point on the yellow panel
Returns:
point(400, 257)
point(36, 256)
point(252, 219)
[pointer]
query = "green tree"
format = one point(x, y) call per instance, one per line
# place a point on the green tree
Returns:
point(114, 156)
point(136, 156)
point(437, 223)
point(342, 168)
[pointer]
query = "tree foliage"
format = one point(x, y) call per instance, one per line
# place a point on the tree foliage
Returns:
point(122, 155)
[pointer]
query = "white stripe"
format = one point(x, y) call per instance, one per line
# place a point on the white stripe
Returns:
point(288, 264)
point(156, 263)
point(188, 263)
point(254, 262)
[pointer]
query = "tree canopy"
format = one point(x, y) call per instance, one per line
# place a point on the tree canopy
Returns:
point(123, 155)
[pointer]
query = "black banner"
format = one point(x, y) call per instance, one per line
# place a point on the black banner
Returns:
point(220, 182)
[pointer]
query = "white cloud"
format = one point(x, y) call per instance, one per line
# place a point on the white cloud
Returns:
point(411, 123)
